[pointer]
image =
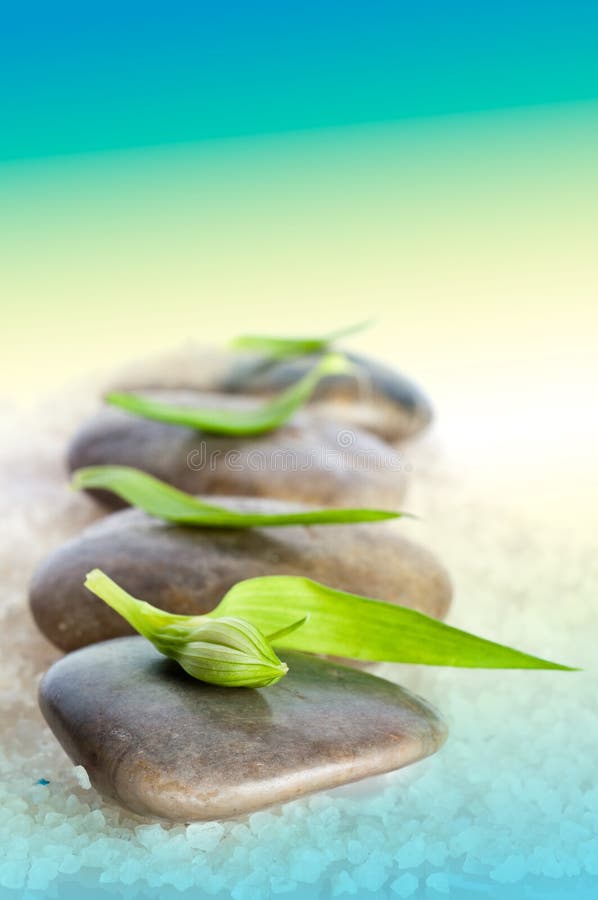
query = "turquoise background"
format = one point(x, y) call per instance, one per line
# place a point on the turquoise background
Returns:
point(78, 77)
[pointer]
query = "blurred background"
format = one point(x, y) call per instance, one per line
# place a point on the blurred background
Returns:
point(196, 171)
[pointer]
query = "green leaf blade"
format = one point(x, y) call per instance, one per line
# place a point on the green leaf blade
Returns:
point(166, 502)
point(282, 347)
point(263, 418)
point(342, 624)
point(279, 347)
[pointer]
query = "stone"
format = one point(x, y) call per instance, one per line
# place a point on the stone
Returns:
point(308, 459)
point(374, 397)
point(188, 570)
point(167, 746)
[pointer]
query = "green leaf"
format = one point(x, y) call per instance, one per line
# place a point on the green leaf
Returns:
point(342, 624)
point(166, 502)
point(239, 423)
point(281, 347)
point(278, 635)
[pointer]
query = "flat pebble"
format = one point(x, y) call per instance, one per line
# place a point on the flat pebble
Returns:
point(188, 570)
point(309, 459)
point(372, 396)
point(165, 745)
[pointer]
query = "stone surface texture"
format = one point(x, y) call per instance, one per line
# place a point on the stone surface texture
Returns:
point(165, 745)
point(374, 396)
point(188, 570)
point(308, 459)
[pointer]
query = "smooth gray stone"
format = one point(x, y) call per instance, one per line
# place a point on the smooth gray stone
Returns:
point(165, 745)
point(308, 459)
point(188, 570)
point(374, 397)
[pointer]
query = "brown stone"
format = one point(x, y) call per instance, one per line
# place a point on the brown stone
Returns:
point(188, 570)
point(165, 745)
point(308, 459)
point(373, 396)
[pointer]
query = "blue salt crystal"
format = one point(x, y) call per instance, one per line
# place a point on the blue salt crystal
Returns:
point(438, 881)
point(405, 886)
point(42, 781)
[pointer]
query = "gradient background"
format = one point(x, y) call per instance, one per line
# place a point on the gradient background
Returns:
point(193, 171)
point(190, 172)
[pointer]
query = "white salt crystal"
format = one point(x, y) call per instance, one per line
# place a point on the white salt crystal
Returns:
point(151, 835)
point(335, 849)
point(342, 883)
point(74, 806)
point(438, 881)
point(243, 891)
point(53, 819)
point(41, 873)
point(412, 854)
point(179, 877)
point(204, 835)
point(13, 873)
point(356, 852)
point(307, 865)
point(69, 863)
point(279, 884)
point(260, 857)
point(82, 778)
point(371, 874)
point(130, 871)
point(95, 820)
point(258, 820)
point(573, 832)
point(406, 885)
point(588, 853)
point(240, 833)
point(21, 824)
point(552, 867)
point(513, 869)
point(437, 853)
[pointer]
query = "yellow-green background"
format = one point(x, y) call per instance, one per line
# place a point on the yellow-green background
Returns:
point(193, 172)
point(471, 238)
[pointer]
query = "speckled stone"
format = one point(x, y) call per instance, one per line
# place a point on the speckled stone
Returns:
point(308, 459)
point(188, 570)
point(167, 746)
point(374, 396)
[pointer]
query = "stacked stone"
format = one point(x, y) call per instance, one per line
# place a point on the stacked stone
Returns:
point(165, 745)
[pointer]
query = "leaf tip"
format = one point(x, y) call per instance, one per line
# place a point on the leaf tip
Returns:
point(93, 578)
point(117, 398)
point(77, 480)
point(335, 364)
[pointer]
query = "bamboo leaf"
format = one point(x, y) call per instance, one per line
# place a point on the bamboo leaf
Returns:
point(236, 422)
point(278, 635)
point(166, 502)
point(281, 347)
point(342, 624)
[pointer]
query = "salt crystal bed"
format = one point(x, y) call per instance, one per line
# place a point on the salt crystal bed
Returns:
point(508, 808)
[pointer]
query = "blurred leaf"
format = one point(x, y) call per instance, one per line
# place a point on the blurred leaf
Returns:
point(281, 347)
point(166, 502)
point(239, 423)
